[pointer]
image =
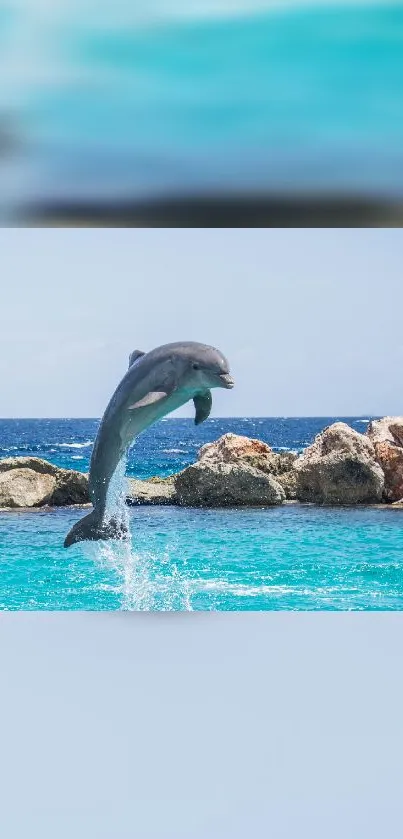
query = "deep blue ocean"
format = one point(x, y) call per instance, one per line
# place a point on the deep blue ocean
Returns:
point(163, 449)
point(297, 557)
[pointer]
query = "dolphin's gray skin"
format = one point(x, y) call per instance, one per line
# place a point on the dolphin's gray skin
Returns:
point(155, 384)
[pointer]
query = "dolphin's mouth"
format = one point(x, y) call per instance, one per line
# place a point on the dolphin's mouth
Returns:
point(227, 380)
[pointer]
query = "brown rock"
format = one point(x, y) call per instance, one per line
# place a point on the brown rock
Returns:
point(153, 491)
point(25, 488)
point(396, 428)
point(32, 482)
point(71, 488)
point(339, 468)
point(386, 435)
point(34, 463)
point(232, 447)
point(235, 448)
point(209, 484)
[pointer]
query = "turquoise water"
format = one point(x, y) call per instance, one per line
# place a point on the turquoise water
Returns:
point(277, 99)
point(294, 557)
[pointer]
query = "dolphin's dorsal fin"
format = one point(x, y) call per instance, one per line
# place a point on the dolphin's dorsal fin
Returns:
point(134, 356)
point(202, 403)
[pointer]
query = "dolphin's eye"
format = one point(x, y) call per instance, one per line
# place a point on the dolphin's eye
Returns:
point(196, 366)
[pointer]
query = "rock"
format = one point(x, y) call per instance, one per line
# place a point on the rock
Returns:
point(235, 448)
point(34, 463)
point(387, 437)
point(209, 484)
point(396, 428)
point(231, 447)
point(25, 488)
point(387, 429)
point(153, 491)
point(33, 482)
point(339, 468)
point(284, 472)
point(71, 488)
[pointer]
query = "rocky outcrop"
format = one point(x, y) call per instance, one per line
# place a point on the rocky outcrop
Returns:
point(342, 466)
point(232, 447)
point(25, 488)
point(43, 467)
point(386, 436)
point(339, 468)
point(283, 471)
point(33, 482)
point(233, 471)
point(225, 485)
point(236, 449)
point(151, 491)
point(71, 488)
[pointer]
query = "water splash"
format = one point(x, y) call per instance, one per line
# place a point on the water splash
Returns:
point(146, 581)
point(116, 498)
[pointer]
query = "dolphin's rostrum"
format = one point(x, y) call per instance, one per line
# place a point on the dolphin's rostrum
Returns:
point(155, 384)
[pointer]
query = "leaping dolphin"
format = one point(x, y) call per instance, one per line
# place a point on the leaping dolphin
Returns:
point(155, 384)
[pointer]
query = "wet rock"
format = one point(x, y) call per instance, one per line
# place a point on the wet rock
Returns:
point(339, 468)
point(387, 437)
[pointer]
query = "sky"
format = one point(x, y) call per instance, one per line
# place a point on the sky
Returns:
point(310, 319)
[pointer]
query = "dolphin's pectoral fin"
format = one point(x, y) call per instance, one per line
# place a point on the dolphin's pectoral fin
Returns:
point(202, 403)
point(149, 399)
point(134, 356)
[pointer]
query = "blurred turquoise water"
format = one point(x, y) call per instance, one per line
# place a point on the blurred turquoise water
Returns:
point(294, 557)
point(284, 99)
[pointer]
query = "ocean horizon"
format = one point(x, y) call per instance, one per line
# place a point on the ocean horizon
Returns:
point(292, 557)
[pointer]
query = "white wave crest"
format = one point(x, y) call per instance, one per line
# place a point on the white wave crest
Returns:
point(75, 445)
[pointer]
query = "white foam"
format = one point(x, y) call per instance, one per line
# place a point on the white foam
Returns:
point(75, 445)
point(138, 587)
point(244, 590)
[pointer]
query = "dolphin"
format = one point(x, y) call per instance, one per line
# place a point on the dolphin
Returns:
point(155, 384)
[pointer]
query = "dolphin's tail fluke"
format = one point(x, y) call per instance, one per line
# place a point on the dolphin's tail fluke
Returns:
point(92, 528)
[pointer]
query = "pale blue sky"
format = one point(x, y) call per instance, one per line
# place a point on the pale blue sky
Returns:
point(311, 320)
